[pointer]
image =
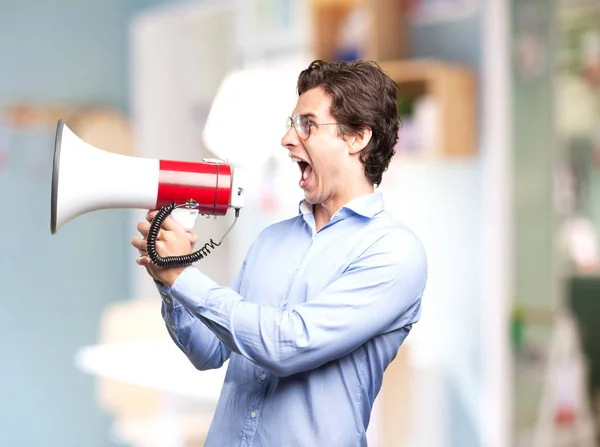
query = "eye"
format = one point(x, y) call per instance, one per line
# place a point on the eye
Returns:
point(303, 121)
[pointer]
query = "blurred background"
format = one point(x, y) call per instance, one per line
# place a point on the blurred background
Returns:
point(496, 169)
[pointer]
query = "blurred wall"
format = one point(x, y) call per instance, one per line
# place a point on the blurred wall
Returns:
point(459, 41)
point(54, 288)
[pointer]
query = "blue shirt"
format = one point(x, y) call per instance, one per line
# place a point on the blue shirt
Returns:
point(309, 325)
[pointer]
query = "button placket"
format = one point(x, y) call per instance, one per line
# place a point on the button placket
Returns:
point(260, 378)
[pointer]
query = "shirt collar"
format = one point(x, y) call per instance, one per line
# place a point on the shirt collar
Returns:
point(368, 205)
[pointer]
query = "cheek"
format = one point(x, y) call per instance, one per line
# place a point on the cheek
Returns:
point(328, 159)
point(327, 168)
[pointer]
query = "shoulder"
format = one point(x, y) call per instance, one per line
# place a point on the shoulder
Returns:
point(389, 231)
point(395, 244)
point(391, 257)
point(283, 227)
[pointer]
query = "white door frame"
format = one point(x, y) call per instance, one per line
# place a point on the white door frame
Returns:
point(497, 174)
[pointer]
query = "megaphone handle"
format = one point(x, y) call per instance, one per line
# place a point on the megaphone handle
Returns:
point(185, 217)
point(176, 261)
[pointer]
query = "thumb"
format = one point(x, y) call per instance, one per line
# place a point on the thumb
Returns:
point(193, 237)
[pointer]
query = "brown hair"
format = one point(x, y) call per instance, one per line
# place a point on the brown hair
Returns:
point(362, 96)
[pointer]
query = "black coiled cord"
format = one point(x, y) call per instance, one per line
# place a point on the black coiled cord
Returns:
point(176, 261)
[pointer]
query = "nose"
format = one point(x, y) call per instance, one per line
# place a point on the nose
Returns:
point(290, 138)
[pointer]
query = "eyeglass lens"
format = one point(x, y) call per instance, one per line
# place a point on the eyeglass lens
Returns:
point(301, 124)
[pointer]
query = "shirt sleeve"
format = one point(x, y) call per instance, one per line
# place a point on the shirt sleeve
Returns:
point(190, 334)
point(379, 292)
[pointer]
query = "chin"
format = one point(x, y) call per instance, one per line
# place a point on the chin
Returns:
point(313, 198)
point(309, 198)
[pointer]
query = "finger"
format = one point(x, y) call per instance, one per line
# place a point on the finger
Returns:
point(193, 237)
point(172, 225)
point(143, 228)
point(138, 243)
point(143, 260)
point(168, 224)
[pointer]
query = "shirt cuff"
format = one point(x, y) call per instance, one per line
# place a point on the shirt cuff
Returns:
point(165, 294)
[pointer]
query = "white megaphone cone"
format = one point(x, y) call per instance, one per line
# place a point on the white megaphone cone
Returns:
point(86, 178)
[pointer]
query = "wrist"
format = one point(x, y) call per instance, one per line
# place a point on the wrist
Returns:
point(172, 274)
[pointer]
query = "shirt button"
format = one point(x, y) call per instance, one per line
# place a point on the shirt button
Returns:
point(253, 414)
point(263, 377)
point(163, 293)
point(168, 300)
point(173, 327)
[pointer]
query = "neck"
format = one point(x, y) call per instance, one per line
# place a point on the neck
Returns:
point(323, 212)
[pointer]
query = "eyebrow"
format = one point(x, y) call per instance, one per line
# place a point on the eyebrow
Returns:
point(308, 115)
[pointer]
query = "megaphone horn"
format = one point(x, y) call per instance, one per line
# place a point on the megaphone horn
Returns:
point(86, 178)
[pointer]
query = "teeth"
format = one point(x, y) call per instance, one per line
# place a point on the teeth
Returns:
point(296, 160)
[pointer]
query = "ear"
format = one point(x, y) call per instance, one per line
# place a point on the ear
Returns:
point(359, 141)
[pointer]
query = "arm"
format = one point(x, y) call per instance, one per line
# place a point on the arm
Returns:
point(197, 342)
point(377, 293)
point(190, 334)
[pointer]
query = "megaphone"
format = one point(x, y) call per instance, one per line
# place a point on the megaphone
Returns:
point(86, 178)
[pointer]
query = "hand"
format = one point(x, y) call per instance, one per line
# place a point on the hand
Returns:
point(172, 240)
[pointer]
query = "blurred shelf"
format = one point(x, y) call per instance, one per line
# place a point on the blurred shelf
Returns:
point(453, 88)
point(387, 27)
point(335, 3)
point(100, 126)
point(20, 116)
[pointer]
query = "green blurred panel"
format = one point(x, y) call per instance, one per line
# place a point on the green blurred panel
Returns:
point(535, 150)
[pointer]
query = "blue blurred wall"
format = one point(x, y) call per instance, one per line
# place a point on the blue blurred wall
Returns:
point(54, 288)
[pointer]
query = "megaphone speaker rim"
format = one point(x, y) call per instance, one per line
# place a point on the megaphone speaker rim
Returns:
point(55, 175)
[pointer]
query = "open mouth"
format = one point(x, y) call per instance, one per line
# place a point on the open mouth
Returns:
point(305, 172)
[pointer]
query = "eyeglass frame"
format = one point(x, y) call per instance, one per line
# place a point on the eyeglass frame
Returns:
point(292, 123)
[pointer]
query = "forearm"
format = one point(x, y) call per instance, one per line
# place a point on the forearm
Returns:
point(283, 342)
point(196, 341)
point(270, 339)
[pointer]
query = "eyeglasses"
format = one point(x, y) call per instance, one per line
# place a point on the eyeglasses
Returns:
point(302, 125)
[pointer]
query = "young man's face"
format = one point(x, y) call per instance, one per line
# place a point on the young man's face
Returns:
point(323, 156)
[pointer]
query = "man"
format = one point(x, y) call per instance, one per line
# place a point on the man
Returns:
point(323, 300)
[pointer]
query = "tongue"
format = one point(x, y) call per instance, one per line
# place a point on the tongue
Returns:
point(306, 174)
